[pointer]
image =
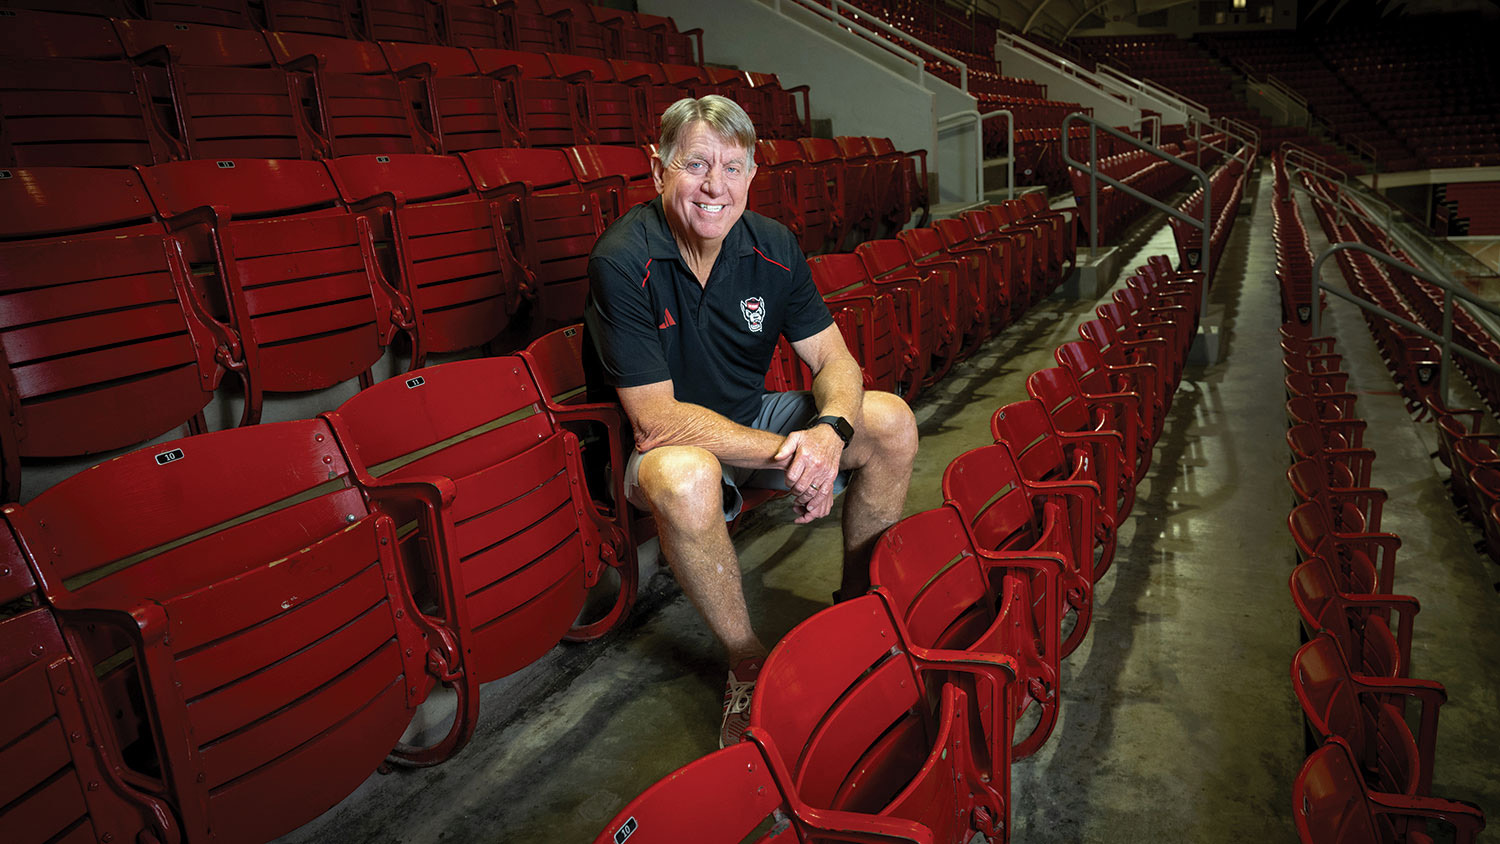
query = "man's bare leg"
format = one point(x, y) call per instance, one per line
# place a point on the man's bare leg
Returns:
point(882, 455)
point(682, 487)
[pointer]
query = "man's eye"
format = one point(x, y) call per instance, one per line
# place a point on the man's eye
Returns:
point(695, 166)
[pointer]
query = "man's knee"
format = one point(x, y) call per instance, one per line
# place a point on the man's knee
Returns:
point(681, 480)
point(891, 428)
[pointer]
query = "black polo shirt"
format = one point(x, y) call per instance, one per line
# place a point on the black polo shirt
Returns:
point(649, 320)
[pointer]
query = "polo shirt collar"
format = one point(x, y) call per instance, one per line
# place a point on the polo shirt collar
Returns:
point(661, 245)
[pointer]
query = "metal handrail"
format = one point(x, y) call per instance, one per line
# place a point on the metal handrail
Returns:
point(1449, 291)
point(1227, 124)
point(869, 37)
point(1286, 90)
point(1342, 203)
point(1191, 106)
point(1010, 150)
point(1092, 168)
point(864, 18)
point(1110, 83)
point(1155, 120)
point(1204, 142)
point(1288, 148)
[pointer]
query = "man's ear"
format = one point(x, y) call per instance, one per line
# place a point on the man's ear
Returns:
point(658, 172)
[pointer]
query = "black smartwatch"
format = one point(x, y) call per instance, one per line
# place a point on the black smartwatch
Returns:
point(839, 424)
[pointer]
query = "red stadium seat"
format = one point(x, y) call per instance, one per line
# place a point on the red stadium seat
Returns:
point(629, 166)
point(227, 95)
point(730, 794)
point(884, 343)
point(67, 97)
point(870, 723)
point(972, 277)
point(456, 259)
point(412, 21)
point(615, 116)
point(241, 590)
point(817, 189)
point(475, 23)
point(360, 105)
point(61, 775)
point(947, 593)
point(550, 112)
point(1331, 805)
point(887, 262)
point(1361, 622)
point(232, 13)
point(1006, 512)
point(111, 339)
point(558, 218)
point(1069, 411)
point(583, 35)
point(528, 541)
point(472, 110)
point(310, 17)
point(297, 269)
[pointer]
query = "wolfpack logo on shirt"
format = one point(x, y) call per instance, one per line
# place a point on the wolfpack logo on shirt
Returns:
point(754, 312)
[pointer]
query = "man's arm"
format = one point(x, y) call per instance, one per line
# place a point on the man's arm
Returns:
point(812, 456)
point(658, 419)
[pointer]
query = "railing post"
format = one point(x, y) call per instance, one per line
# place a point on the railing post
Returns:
point(1444, 364)
point(1093, 190)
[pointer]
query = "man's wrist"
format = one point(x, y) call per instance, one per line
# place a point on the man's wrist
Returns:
point(839, 424)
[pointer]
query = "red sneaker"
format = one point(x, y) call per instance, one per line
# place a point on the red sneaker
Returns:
point(737, 693)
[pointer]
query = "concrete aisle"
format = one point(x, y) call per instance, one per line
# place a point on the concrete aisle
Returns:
point(1178, 721)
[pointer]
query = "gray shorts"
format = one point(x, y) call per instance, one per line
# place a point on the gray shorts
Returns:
point(780, 413)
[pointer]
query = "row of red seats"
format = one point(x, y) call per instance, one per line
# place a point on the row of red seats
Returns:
point(894, 716)
point(1227, 187)
point(249, 618)
point(1370, 778)
point(140, 291)
point(82, 91)
point(1413, 360)
point(1294, 256)
point(1139, 169)
point(544, 26)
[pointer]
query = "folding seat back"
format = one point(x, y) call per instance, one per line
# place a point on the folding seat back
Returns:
point(946, 593)
point(109, 337)
point(786, 120)
point(888, 262)
point(1069, 410)
point(845, 700)
point(597, 163)
point(298, 270)
point(884, 175)
point(1141, 411)
point(1360, 711)
point(1025, 284)
point(238, 586)
point(1359, 562)
point(1148, 357)
point(471, 111)
point(455, 256)
point(68, 98)
point(681, 47)
point(559, 221)
point(773, 193)
point(654, 91)
point(735, 84)
point(531, 29)
point(60, 775)
point(1043, 456)
point(229, 98)
point(310, 17)
point(969, 271)
point(231, 13)
point(818, 192)
point(550, 112)
point(1352, 509)
point(360, 105)
point(413, 21)
point(614, 113)
point(1004, 513)
point(1360, 622)
point(911, 178)
point(475, 23)
point(858, 182)
point(1332, 805)
point(632, 41)
point(730, 795)
point(1309, 442)
point(887, 356)
point(998, 258)
point(584, 36)
point(528, 540)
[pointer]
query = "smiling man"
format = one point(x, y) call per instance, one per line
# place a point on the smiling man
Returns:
point(688, 297)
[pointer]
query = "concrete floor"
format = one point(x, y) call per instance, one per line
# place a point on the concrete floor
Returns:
point(1178, 721)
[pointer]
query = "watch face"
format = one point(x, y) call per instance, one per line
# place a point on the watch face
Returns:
point(840, 426)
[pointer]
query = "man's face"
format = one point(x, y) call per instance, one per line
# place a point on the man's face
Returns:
point(704, 189)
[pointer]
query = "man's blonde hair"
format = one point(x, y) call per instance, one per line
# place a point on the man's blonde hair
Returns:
point(723, 115)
